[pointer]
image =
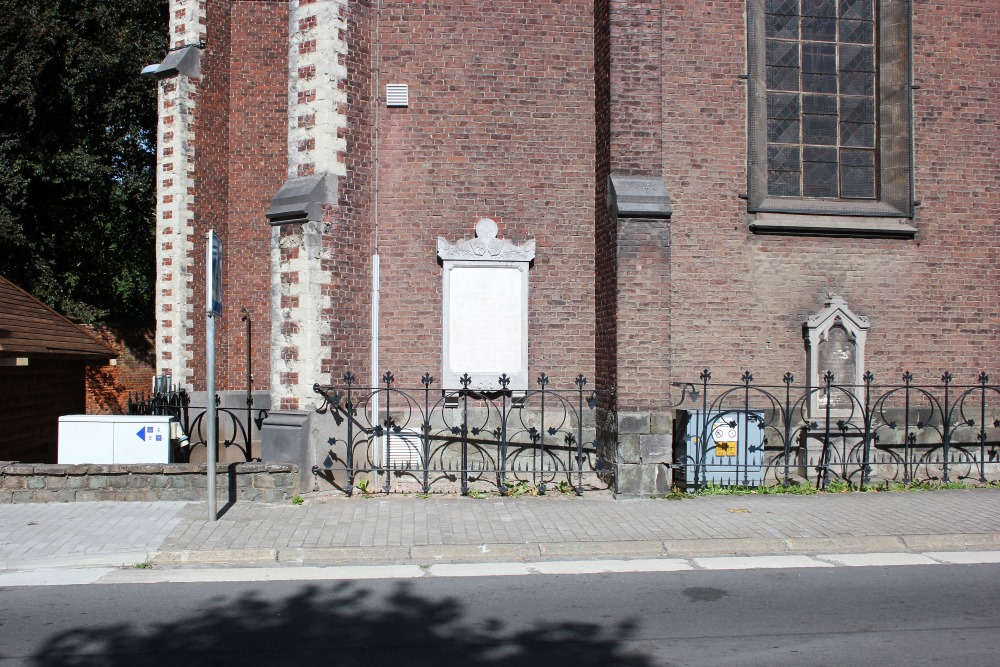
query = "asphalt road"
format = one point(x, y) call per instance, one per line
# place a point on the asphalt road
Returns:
point(906, 615)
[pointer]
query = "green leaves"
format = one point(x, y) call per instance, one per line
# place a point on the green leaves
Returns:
point(77, 152)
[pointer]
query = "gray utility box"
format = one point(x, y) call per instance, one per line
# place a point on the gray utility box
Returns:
point(720, 447)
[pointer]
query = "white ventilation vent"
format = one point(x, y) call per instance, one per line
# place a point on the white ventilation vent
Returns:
point(404, 449)
point(397, 95)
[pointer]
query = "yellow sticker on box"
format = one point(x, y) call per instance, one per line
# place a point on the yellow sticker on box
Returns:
point(725, 449)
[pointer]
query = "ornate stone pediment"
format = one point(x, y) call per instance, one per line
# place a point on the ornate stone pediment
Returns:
point(486, 246)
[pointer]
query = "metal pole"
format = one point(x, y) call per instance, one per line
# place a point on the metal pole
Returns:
point(211, 415)
point(249, 423)
point(213, 435)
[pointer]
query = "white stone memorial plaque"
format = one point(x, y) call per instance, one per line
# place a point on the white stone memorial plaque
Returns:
point(485, 335)
point(485, 310)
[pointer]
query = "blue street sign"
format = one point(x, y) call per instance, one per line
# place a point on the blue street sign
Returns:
point(213, 274)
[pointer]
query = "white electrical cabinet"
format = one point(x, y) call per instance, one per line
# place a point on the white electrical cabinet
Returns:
point(115, 438)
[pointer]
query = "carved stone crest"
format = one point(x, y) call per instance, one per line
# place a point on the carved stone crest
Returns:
point(486, 246)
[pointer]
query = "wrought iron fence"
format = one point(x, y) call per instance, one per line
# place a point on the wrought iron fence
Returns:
point(854, 433)
point(508, 440)
point(176, 403)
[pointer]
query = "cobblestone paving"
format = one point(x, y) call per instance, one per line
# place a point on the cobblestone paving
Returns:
point(411, 521)
point(52, 531)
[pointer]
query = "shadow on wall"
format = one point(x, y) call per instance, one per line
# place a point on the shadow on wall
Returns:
point(108, 386)
point(339, 624)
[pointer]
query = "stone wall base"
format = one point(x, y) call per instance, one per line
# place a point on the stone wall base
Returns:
point(264, 482)
point(644, 453)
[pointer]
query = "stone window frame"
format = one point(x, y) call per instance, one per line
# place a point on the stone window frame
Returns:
point(891, 213)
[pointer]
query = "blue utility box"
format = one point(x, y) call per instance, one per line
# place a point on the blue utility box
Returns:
point(720, 447)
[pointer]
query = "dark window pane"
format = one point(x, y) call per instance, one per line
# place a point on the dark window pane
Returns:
point(782, 78)
point(783, 131)
point(858, 32)
point(857, 158)
point(819, 104)
point(856, 58)
point(820, 130)
point(819, 28)
point(783, 105)
point(780, 25)
point(857, 83)
point(819, 7)
point(857, 109)
point(783, 184)
point(819, 58)
point(786, 7)
point(819, 179)
point(859, 135)
point(819, 154)
point(857, 182)
point(783, 171)
point(857, 174)
point(782, 54)
point(856, 9)
point(819, 83)
point(783, 158)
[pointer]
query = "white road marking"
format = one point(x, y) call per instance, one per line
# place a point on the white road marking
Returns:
point(757, 562)
point(611, 566)
point(964, 557)
point(478, 569)
point(876, 559)
point(232, 574)
point(72, 577)
point(105, 575)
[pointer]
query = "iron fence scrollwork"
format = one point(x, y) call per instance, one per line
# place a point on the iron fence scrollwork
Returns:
point(429, 435)
point(901, 433)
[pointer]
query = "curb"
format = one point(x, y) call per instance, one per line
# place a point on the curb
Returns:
point(463, 553)
point(116, 560)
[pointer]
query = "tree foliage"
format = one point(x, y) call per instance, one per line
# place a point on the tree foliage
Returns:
point(77, 152)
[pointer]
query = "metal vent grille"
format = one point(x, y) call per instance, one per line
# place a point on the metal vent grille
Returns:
point(397, 95)
point(404, 449)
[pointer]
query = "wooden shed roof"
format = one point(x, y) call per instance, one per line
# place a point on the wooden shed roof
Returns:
point(29, 328)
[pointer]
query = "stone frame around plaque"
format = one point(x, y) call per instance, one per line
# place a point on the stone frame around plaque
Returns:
point(484, 318)
point(835, 320)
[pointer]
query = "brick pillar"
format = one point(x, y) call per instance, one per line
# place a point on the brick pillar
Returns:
point(305, 208)
point(645, 422)
point(179, 76)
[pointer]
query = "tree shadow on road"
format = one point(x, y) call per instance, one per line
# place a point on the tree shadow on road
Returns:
point(342, 624)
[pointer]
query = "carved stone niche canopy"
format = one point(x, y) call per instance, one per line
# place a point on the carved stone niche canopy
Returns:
point(485, 310)
point(835, 343)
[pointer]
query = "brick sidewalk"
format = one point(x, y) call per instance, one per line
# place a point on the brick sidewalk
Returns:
point(405, 526)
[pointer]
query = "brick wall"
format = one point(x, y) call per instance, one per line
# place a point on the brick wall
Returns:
point(501, 124)
point(108, 387)
point(241, 129)
point(257, 140)
point(605, 227)
point(351, 239)
point(33, 397)
point(738, 300)
point(211, 174)
point(637, 34)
